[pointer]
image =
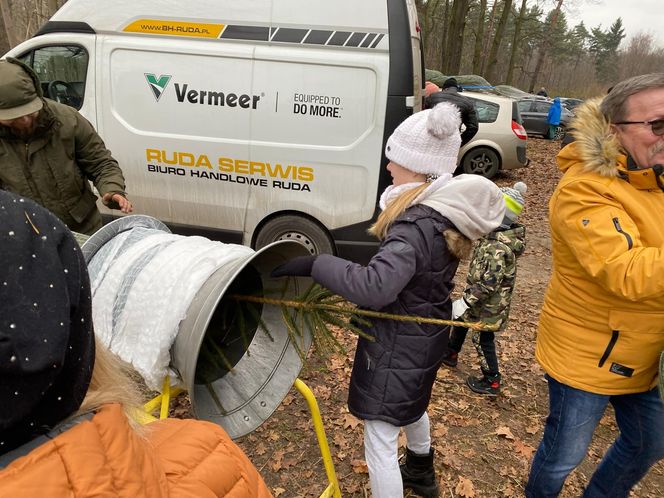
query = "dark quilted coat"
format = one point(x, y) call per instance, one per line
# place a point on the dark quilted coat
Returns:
point(411, 274)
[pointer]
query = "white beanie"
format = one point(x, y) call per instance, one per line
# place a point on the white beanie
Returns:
point(513, 201)
point(427, 142)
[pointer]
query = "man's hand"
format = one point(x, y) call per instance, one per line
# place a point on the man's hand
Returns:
point(120, 200)
point(296, 267)
point(459, 307)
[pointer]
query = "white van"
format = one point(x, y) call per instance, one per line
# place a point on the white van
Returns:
point(246, 122)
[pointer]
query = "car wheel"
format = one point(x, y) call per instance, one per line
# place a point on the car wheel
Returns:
point(298, 228)
point(559, 133)
point(481, 161)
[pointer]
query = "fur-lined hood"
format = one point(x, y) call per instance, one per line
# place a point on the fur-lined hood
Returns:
point(595, 145)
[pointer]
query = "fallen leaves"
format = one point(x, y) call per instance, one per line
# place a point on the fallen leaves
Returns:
point(483, 449)
point(359, 467)
point(523, 449)
point(350, 422)
point(505, 432)
point(465, 488)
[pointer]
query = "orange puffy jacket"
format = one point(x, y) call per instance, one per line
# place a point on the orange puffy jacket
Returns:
point(104, 457)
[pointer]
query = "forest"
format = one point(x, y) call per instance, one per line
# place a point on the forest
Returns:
point(526, 43)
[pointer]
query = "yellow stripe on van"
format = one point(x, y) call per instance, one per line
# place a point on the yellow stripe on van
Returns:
point(175, 28)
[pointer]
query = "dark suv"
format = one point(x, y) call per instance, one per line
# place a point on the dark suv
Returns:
point(534, 111)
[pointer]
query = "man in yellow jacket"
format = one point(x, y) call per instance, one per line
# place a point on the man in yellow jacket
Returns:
point(601, 330)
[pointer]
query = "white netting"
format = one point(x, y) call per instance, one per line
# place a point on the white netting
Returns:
point(143, 281)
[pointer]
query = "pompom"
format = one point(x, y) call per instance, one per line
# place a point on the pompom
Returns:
point(444, 120)
point(521, 187)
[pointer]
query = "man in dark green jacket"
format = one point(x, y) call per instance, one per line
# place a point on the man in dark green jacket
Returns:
point(48, 152)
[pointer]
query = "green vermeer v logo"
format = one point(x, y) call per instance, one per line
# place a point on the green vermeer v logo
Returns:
point(157, 85)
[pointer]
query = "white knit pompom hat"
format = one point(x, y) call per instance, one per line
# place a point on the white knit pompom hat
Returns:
point(427, 142)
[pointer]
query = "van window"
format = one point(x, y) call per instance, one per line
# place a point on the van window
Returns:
point(61, 70)
point(487, 112)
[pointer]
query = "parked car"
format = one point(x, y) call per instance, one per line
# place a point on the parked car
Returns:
point(500, 143)
point(570, 102)
point(534, 111)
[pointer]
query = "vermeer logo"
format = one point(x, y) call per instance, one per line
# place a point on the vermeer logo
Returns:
point(157, 85)
point(184, 94)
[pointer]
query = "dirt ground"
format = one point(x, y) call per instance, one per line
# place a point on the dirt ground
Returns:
point(483, 447)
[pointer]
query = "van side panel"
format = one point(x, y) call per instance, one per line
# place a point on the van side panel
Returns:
point(405, 80)
point(226, 114)
point(324, 119)
point(177, 117)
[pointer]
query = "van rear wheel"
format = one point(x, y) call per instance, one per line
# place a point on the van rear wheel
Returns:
point(297, 228)
point(481, 161)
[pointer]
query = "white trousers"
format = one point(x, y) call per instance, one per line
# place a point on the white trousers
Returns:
point(381, 446)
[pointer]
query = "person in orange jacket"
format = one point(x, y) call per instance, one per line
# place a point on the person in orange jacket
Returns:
point(66, 403)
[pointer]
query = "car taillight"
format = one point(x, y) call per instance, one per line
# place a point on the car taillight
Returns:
point(519, 131)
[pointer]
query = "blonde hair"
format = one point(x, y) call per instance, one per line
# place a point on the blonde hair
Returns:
point(113, 381)
point(394, 209)
point(459, 245)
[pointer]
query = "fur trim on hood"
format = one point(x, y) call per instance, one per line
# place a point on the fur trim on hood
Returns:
point(595, 146)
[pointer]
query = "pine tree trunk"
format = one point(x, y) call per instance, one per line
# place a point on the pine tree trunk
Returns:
point(479, 39)
point(12, 36)
point(544, 46)
point(487, 36)
point(497, 39)
point(515, 43)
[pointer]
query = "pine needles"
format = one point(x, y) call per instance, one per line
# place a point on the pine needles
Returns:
point(318, 309)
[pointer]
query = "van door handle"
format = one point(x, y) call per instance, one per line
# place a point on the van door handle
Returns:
point(410, 101)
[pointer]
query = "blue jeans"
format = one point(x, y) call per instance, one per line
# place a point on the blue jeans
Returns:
point(573, 416)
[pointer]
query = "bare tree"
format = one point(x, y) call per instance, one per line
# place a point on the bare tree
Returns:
point(497, 39)
point(515, 43)
point(487, 36)
point(22, 18)
point(544, 45)
point(455, 36)
point(479, 39)
point(10, 27)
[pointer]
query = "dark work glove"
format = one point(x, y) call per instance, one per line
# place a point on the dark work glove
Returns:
point(296, 267)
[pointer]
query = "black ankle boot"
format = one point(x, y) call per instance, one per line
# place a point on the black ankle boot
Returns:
point(419, 475)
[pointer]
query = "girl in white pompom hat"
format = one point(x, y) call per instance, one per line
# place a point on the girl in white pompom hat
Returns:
point(427, 223)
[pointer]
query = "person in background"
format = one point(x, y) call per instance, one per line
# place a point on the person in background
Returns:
point(450, 93)
point(66, 403)
point(542, 92)
point(50, 151)
point(427, 221)
point(553, 117)
point(488, 294)
point(600, 330)
point(429, 88)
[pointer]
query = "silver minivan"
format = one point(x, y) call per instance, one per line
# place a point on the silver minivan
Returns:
point(500, 143)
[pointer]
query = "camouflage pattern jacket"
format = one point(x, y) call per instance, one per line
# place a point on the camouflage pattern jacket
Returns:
point(492, 275)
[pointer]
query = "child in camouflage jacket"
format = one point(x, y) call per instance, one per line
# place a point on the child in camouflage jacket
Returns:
point(488, 292)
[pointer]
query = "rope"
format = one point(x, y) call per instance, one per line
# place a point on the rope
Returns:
point(356, 311)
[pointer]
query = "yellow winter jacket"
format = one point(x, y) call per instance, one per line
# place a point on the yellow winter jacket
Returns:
point(104, 457)
point(602, 323)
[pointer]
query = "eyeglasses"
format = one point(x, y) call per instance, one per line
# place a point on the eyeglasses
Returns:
point(657, 125)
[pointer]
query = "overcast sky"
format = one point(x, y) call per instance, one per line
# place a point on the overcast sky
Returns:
point(637, 15)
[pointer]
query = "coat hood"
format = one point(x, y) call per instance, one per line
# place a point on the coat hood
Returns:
point(595, 146)
point(473, 203)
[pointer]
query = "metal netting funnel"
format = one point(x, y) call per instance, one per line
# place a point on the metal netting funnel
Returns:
point(236, 373)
